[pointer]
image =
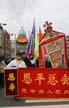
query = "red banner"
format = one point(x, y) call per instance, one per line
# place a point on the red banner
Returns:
point(43, 83)
point(11, 82)
point(55, 49)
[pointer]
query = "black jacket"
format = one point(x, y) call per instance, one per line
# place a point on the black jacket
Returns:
point(48, 64)
point(27, 62)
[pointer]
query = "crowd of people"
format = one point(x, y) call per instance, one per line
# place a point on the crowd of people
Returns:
point(21, 60)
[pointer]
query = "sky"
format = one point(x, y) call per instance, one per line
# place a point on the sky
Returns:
point(17, 13)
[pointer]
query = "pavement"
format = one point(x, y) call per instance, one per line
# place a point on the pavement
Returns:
point(39, 103)
point(53, 106)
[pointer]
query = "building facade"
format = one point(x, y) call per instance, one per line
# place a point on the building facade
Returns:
point(5, 43)
point(21, 41)
point(67, 39)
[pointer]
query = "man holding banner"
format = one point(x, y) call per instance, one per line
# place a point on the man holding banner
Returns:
point(17, 62)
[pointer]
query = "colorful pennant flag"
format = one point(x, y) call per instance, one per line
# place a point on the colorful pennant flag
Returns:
point(36, 46)
point(31, 43)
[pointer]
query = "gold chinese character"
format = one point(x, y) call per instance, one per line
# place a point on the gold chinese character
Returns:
point(41, 91)
point(65, 80)
point(66, 92)
point(27, 79)
point(24, 90)
point(49, 92)
point(32, 90)
point(40, 77)
point(58, 92)
point(11, 77)
point(52, 80)
point(12, 87)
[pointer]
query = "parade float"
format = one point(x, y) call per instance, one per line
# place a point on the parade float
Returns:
point(53, 47)
point(42, 82)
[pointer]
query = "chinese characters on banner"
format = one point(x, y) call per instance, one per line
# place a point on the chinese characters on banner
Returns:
point(43, 83)
point(11, 82)
point(37, 83)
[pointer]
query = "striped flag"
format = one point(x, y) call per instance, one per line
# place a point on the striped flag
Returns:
point(33, 36)
point(31, 44)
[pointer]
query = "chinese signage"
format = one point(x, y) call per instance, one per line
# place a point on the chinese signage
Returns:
point(37, 83)
point(43, 83)
point(11, 82)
